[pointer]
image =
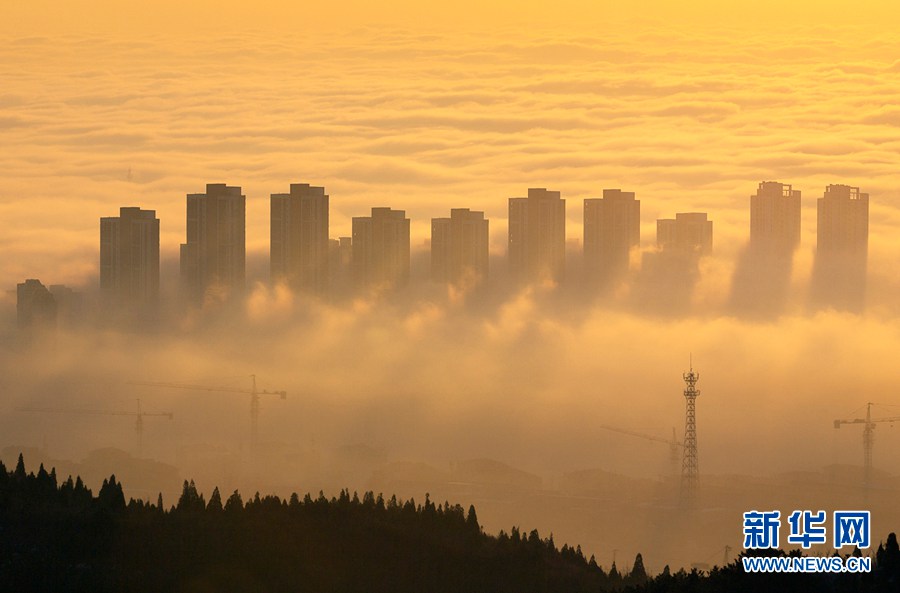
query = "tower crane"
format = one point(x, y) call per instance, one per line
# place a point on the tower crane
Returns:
point(674, 443)
point(253, 392)
point(868, 439)
point(705, 564)
point(138, 422)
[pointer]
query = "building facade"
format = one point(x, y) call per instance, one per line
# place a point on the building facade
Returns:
point(299, 238)
point(380, 249)
point(762, 275)
point(842, 248)
point(775, 219)
point(36, 307)
point(612, 228)
point(689, 233)
point(214, 256)
point(129, 259)
point(459, 247)
point(843, 223)
point(537, 236)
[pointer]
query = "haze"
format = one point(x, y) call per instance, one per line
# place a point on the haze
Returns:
point(424, 110)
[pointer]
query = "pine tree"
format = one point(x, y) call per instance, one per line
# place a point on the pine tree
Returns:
point(81, 495)
point(111, 496)
point(234, 503)
point(190, 500)
point(19, 473)
point(472, 520)
point(46, 485)
point(4, 482)
point(638, 573)
point(215, 501)
point(890, 557)
point(614, 573)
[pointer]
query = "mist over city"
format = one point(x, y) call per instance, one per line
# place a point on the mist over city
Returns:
point(473, 265)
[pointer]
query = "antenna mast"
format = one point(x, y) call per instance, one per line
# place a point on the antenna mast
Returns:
point(690, 472)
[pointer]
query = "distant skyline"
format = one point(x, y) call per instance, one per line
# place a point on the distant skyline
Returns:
point(377, 258)
point(304, 257)
point(460, 121)
point(770, 231)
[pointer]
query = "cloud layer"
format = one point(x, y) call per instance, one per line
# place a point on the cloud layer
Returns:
point(426, 123)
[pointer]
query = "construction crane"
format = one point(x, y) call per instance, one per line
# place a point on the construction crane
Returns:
point(138, 422)
point(868, 439)
point(705, 564)
point(674, 443)
point(253, 392)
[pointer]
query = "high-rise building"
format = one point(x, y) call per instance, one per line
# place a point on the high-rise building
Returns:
point(775, 219)
point(687, 233)
point(762, 275)
point(380, 247)
point(36, 307)
point(842, 245)
point(299, 237)
point(459, 246)
point(843, 223)
point(668, 275)
point(340, 264)
point(129, 259)
point(69, 304)
point(537, 236)
point(612, 228)
point(214, 256)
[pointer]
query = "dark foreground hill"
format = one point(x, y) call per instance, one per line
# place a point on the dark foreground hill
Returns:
point(60, 537)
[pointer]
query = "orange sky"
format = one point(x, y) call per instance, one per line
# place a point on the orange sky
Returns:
point(424, 115)
point(779, 17)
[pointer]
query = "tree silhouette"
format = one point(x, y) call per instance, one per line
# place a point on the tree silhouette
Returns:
point(19, 473)
point(59, 537)
point(215, 501)
point(190, 501)
point(614, 575)
point(472, 520)
point(234, 503)
point(638, 573)
point(111, 497)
